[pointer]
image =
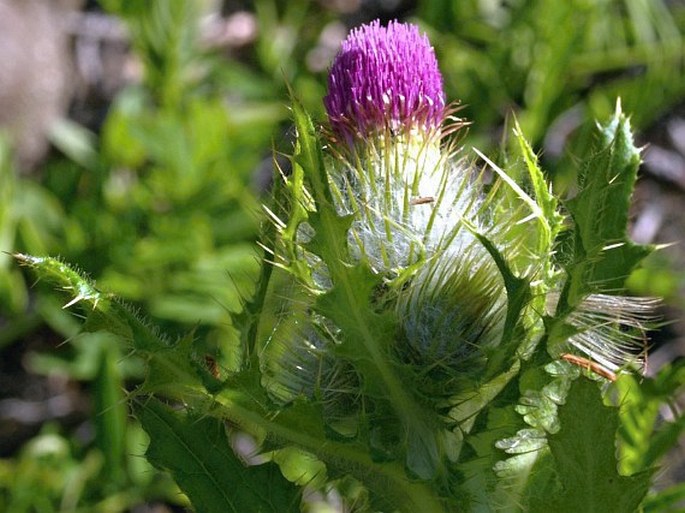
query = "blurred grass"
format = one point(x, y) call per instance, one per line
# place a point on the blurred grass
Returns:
point(556, 64)
point(161, 206)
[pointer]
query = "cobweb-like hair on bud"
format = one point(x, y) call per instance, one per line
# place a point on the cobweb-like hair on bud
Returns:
point(416, 208)
point(407, 197)
point(452, 315)
point(611, 330)
point(297, 360)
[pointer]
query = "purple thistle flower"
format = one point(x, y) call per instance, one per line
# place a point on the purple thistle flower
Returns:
point(384, 78)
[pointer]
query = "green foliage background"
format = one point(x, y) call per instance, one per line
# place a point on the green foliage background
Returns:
point(162, 208)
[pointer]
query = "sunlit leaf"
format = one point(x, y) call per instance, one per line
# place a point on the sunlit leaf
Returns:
point(584, 452)
point(196, 451)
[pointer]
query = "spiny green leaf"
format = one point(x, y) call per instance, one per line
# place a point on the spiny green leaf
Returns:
point(470, 403)
point(518, 296)
point(330, 240)
point(308, 153)
point(301, 425)
point(171, 370)
point(348, 303)
point(196, 452)
point(638, 416)
point(366, 338)
point(65, 277)
point(480, 483)
point(103, 312)
point(170, 367)
point(584, 452)
point(603, 254)
point(551, 220)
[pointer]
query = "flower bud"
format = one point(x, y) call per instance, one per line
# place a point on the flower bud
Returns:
point(384, 79)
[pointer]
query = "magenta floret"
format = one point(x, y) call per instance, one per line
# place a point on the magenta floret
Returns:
point(384, 78)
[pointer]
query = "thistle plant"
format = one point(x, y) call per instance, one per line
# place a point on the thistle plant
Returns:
point(432, 331)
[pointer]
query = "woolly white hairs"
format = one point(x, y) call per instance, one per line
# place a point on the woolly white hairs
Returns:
point(408, 200)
